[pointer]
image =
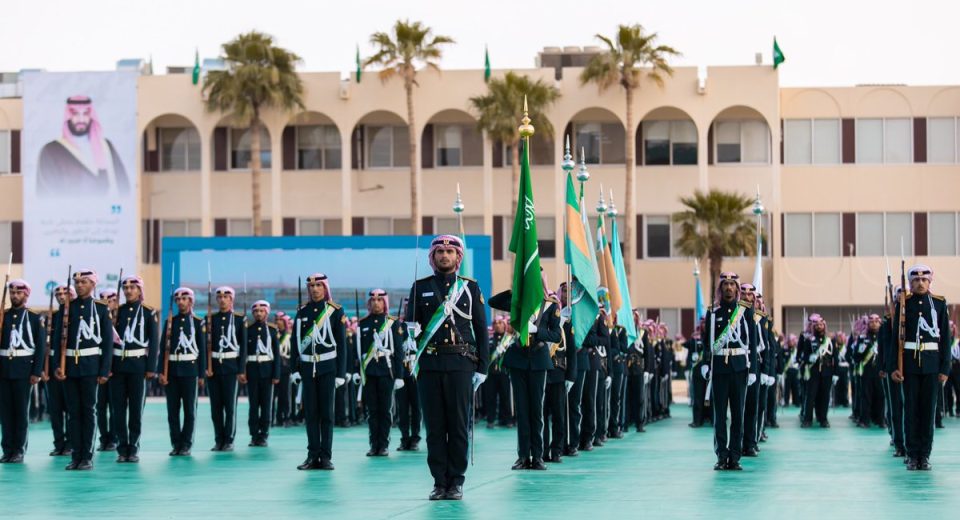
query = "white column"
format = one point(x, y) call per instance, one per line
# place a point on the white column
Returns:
point(346, 184)
point(487, 185)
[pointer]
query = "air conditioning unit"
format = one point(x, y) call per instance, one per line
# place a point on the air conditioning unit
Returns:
point(345, 89)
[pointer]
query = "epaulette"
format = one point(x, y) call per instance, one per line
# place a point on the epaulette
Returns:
point(147, 308)
point(35, 313)
point(467, 278)
point(391, 317)
point(101, 302)
point(334, 305)
point(760, 313)
point(272, 326)
point(745, 304)
point(425, 278)
point(553, 299)
point(938, 297)
point(239, 314)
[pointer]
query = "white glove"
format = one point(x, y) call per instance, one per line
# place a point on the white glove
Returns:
point(705, 372)
point(398, 384)
point(607, 382)
point(478, 380)
point(695, 357)
point(566, 313)
point(812, 358)
point(414, 328)
point(568, 385)
point(295, 377)
point(751, 379)
point(861, 348)
point(835, 379)
point(355, 378)
point(532, 328)
point(338, 382)
point(647, 377)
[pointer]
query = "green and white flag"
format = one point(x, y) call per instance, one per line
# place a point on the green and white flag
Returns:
point(359, 72)
point(578, 252)
point(196, 67)
point(778, 56)
point(527, 289)
point(486, 65)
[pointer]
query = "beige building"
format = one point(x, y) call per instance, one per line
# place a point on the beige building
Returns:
point(843, 173)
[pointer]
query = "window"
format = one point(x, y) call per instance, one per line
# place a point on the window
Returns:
point(319, 227)
point(240, 149)
point(941, 140)
point(746, 141)
point(471, 225)
point(180, 228)
point(942, 234)
point(5, 152)
point(815, 141)
point(546, 238)
point(671, 318)
point(798, 234)
point(603, 143)
point(378, 226)
point(541, 151)
point(879, 234)
point(884, 141)
point(669, 142)
point(179, 149)
point(826, 141)
point(827, 229)
point(658, 236)
point(387, 146)
point(899, 228)
point(869, 234)
point(318, 147)
point(449, 145)
point(243, 227)
point(6, 239)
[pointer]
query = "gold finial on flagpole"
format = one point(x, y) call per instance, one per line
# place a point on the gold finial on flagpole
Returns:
point(526, 129)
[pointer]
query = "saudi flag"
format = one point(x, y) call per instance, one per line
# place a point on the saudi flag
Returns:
point(582, 296)
point(196, 67)
point(486, 65)
point(625, 313)
point(527, 289)
point(359, 72)
point(778, 56)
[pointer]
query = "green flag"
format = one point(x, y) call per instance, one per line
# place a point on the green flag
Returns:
point(582, 297)
point(625, 314)
point(359, 72)
point(486, 64)
point(527, 289)
point(196, 67)
point(778, 56)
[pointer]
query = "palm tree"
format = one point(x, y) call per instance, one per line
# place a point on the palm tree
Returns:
point(399, 53)
point(630, 56)
point(500, 110)
point(715, 225)
point(258, 76)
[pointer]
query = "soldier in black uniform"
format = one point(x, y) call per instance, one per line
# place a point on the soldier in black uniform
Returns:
point(819, 356)
point(134, 363)
point(321, 360)
point(496, 389)
point(637, 376)
point(926, 363)
point(893, 392)
point(108, 437)
point(696, 359)
point(791, 374)
point(617, 361)
point(262, 359)
point(228, 335)
point(751, 408)
point(23, 344)
point(595, 344)
point(528, 365)
point(283, 395)
point(865, 352)
point(408, 397)
point(452, 344)
point(55, 388)
point(560, 379)
point(185, 361)
point(89, 350)
point(380, 351)
point(731, 351)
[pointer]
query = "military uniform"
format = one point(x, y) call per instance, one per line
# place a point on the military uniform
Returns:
point(696, 357)
point(819, 356)
point(617, 361)
point(593, 351)
point(497, 402)
point(380, 351)
point(282, 396)
point(555, 407)
point(893, 391)
point(89, 352)
point(637, 380)
point(262, 356)
point(23, 343)
point(228, 337)
point(408, 398)
point(139, 328)
point(870, 388)
point(186, 346)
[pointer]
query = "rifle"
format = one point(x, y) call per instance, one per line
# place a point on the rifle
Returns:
point(62, 370)
point(116, 314)
point(49, 332)
point(3, 300)
point(902, 325)
point(169, 331)
point(209, 319)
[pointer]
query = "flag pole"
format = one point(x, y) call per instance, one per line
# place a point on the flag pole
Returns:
point(567, 166)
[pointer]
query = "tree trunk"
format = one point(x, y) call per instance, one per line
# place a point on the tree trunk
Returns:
point(630, 209)
point(416, 222)
point(255, 166)
point(716, 266)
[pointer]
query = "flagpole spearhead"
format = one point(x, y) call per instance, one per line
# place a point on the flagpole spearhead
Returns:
point(526, 129)
point(583, 175)
point(601, 204)
point(458, 206)
point(568, 163)
point(611, 208)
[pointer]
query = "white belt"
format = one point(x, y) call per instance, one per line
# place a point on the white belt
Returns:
point(15, 352)
point(930, 345)
point(183, 357)
point(131, 353)
point(740, 351)
point(260, 358)
point(92, 351)
point(225, 355)
point(316, 358)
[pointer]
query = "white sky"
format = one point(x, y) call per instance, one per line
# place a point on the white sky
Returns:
point(826, 42)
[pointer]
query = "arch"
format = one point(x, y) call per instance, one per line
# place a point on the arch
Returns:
point(736, 136)
point(666, 135)
point(600, 134)
point(884, 102)
point(811, 103)
point(944, 103)
point(230, 145)
point(450, 138)
point(171, 142)
point(311, 140)
point(380, 139)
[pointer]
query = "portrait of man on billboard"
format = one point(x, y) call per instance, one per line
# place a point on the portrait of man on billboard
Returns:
point(82, 161)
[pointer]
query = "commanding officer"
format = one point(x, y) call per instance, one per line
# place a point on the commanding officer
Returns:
point(185, 348)
point(528, 377)
point(926, 363)
point(134, 362)
point(108, 436)
point(380, 351)
point(321, 360)
point(452, 347)
point(89, 349)
point(560, 380)
point(23, 343)
point(696, 358)
point(817, 351)
point(262, 372)
point(228, 330)
point(732, 349)
point(56, 389)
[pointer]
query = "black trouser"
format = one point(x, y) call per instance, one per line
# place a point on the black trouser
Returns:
point(282, 396)
point(105, 415)
point(408, 400)
point(574, 403)
point(14, 415)
point(496, 398)
point(127, 395)
point(699, 395)
point(260, 398)
point(729, 391)
point(528, 394)
point(318, 396)
point(81, 409)
point(750, 415)
point(841, 391)
point(919, 407)
point(57, 407)
point(603, 406)
point(761, 408)
point(588, 406)
point(817, 396)
point(871, 398)
point(773, 401)
point(446, 398)
point(181, 394)
point(791, 387)
point(378, 401)
point(222, 389)
point(635, 399)
point(894, 392)
point(341, 396)
point(618, 388)
point(555, 418)
point(953, 392)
